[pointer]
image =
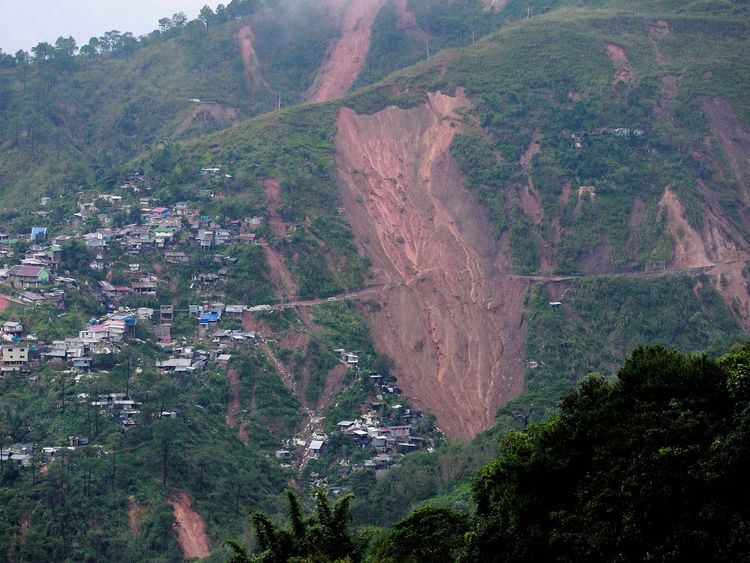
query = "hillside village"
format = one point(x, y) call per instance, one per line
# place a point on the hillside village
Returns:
point(122, 271)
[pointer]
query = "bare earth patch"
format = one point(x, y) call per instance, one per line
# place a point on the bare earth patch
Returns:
point(734, 139)
point(635, 222)
point(668, 92)
point(347, 55)
point(494, 5)
point(531, 201)
point(623, 71)
point(406, 20)
point(222, 117)
point(135, 514)
point(689, 250)
point(448, 317)
point(233, 409)
point(253, 79)
point(191, 530)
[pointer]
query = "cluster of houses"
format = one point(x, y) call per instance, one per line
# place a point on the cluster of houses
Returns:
point(163, 227)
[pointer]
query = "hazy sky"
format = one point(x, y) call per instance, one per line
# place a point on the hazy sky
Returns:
point(24, 23)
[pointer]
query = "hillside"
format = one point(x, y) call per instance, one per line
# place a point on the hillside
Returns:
point(580, 173)
point(70, 120)
point(449, 248)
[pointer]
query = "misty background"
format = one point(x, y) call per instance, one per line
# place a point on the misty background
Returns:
point(24, 23)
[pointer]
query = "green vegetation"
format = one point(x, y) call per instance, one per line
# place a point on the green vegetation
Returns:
point(647, 467)
point(322, 536)
point(604, 317)
point(79, 507)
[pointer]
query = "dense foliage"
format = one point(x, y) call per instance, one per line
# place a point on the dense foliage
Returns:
point(649, 467)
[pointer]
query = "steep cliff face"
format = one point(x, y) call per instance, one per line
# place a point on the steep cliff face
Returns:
point(448, 316)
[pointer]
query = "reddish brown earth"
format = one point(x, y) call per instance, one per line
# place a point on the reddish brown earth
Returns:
point(448, 317)
point(734, 139)
point(406, 20)
point(191, 530)
point(718, 247)
point(635, 222)
point(347, 54)
point(273, 204)
point(334, 384)
point(222, 116)
point(657, 31)
point(135, 514)
point(668, 92)
point(4, 302)
point(623, 70)
point(280, 275)
point(233, 409)
point(253, 79)
point(689, 250)
point(531, 201)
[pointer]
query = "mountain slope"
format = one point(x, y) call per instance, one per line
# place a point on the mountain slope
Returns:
point(588, 156)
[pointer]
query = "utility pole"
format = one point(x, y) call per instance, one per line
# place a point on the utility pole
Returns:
point(127, 383)
point(279, 100)
point(427, 44)
point(528, 11)
point(473, 40)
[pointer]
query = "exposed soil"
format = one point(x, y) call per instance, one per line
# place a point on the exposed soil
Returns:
point(242, 432)
point(221, 116)
point(531, 201)
point(635, 223)
point(334, 384)
point(4, 302)
point(190, 528)
point(346, 55)
point(273, 204)
point(656, 31)
point(623, 70)
point(734, 139)
point(280, 275)
point(233, 409)
point(689, 250)
point(494, 5)
point(664, 108)
point(450, 320)
point(253, 79)
point(597, 261)
point(587, 191)
point(406, 20)
point(733, 287)
point(659, 28)
point(565, 195)
point(135, 514)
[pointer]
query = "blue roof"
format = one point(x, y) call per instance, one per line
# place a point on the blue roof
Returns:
point(208, 317)
point(38, 231)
